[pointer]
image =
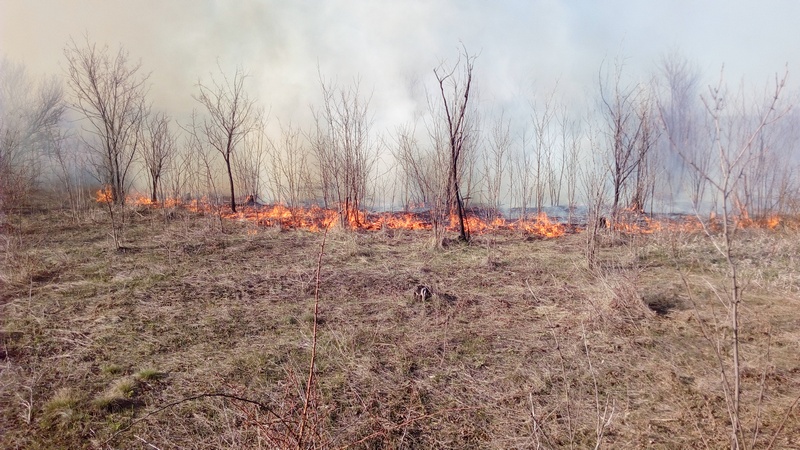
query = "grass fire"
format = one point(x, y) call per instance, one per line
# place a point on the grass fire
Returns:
point(315, 218)
point(276, 325)
point(243, 243)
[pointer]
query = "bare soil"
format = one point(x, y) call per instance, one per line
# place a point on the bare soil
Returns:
point(520, 346)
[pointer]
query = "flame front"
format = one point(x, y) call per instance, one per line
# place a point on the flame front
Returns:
point(315, 218)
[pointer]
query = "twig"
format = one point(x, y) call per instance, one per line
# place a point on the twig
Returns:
point(602, 421)
point(761, 390)
point(570, 430)
point(537, 428)
point(783, 422)
point(146, 443)
point(192, 398)
point(309, 383)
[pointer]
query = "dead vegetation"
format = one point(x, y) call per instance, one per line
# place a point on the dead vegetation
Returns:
point(201, 336)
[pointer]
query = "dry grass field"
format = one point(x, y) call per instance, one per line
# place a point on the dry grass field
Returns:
point(200, 335)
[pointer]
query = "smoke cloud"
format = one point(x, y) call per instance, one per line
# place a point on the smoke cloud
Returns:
point(524, 47)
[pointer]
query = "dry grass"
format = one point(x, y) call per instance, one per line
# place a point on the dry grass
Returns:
point(521, 345)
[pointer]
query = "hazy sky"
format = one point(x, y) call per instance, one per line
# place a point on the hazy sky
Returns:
point(523, 46)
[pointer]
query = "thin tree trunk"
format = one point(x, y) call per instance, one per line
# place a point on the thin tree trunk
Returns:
point(230, 179)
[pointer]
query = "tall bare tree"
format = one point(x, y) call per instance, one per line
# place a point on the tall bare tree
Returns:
point(734, 133)
point(229, 118)
point(68, 163)
point(769, 179)
point(343, 148)
point(570, 158)
point(29, 128)
point(543, 144)
point(454, 86)
point(423, 169)
point(182, 175)
point(250, 160)
point(644, 173)
point(496, 161)
point(109, 91)
point(158, 148)
point(680, 113)
point(774, 187)
point(290, 175)
point(623, 129)
point(523, 167)
point(593, 176)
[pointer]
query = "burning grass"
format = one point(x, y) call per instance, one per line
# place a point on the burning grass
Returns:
point(519, 345)
point(315, 218)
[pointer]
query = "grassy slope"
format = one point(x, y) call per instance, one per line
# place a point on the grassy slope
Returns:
point(521, 345)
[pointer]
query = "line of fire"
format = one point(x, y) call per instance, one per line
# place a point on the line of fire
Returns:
point(478, 221)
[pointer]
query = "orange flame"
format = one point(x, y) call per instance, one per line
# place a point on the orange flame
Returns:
point(315, 218)
point(104, 195)
point(773, 222)
point(403, 221)
point(637, 225)
point(542, 226)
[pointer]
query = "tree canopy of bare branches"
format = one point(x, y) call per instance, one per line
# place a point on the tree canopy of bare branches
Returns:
point(736, 131)
point(109, 91)
point(681, 119)
point(229, 118)
point(422, 171)
point(454, 86)
point(343, 149)
point(290, 175)
point(29, 120)
point(158, 148)
point(626, 114)
point(250, 160)
point(496, 161)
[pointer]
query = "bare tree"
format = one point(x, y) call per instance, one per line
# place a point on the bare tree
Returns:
point(249, 162)
point(469, 176)
point(680, 113)
point(454, 85)
point(229, 118)
point(769, 178)
point(182, 174)
point(68, 162)
point(774, 187)
point(734, 131)
point(523, 162)
point(158, 148)
point(544, 141)
point(643, 173)
point(496, 161)
point(343, 148)
point(570, 160)
point(593, 176)
point(199, 158)
point(404, 151)
point(559, 167)
point(423, 168)
point(109, 91)
point(290, 175)
point(624, 127)
point(29, 128)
